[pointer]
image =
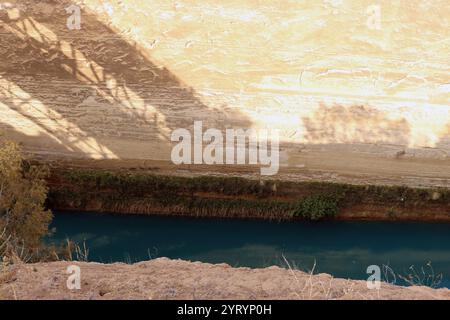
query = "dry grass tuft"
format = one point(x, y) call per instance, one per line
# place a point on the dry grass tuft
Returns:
point(313, 287)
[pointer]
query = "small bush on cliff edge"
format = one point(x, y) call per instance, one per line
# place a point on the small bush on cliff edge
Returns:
point(22, 195)
point(317, 207)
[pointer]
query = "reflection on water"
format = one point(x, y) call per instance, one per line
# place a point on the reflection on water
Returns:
point(343, 249)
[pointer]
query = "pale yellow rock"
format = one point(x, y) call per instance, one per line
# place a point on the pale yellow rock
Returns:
point(349, 84)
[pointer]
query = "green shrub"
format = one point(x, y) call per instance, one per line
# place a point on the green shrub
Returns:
point(317, 207)
point(24, 220)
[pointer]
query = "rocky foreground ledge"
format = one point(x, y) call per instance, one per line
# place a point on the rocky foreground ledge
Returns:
point(176, 279)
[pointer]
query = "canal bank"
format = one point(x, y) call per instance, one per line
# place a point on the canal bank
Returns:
point(165, 279)
point(152, 192)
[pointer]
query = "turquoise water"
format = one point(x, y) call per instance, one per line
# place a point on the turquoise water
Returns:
point(343, 249)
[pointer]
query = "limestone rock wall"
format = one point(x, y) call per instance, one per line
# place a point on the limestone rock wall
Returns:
point(350, 84)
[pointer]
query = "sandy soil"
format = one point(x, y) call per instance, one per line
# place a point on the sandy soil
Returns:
point(176, 279)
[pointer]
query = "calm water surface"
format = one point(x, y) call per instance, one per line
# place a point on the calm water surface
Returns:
point(343, 249)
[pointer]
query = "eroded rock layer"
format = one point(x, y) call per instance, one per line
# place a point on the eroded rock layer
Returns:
point(355, 87)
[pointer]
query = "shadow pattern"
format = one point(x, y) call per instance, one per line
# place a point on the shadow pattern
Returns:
point(91, 90)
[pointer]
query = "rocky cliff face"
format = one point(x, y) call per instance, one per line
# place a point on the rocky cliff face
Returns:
point(355, 88)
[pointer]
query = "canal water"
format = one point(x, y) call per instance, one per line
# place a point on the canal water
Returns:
point(343, 249)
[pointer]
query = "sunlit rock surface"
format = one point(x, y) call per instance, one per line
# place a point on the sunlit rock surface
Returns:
point(356, 88)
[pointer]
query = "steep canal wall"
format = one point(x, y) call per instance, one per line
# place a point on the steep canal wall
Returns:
point(153, 193)
point(359, 91)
